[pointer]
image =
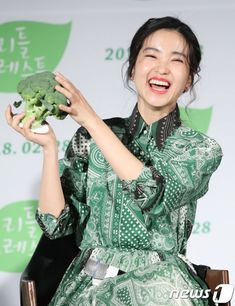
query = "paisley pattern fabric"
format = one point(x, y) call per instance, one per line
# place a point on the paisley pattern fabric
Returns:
point(140, 226)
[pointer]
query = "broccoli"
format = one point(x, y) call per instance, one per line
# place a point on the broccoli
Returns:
point(40, 97)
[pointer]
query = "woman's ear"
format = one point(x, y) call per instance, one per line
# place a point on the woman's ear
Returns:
point(188, 84)
point(132, 73)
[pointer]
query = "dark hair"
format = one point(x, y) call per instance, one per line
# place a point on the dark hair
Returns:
point(171, 23)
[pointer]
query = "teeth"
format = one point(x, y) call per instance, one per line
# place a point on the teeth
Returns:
point(157, 82)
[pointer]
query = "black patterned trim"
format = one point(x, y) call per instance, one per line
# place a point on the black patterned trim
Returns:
point(134, 121)
point(165, 127)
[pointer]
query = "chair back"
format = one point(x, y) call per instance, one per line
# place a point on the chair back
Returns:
point(28, 293)
point(217, 277)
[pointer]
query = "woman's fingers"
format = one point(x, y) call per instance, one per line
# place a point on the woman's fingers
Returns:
point(67, 88)
point(65, 82)
point(74, 99)
point(69, 109)
point(59, 74)
point(64, 91)
point(79, 109)
point(12, 118)
point(27, 127)
point(65, 108)
point(8, 114)
point(14, 122)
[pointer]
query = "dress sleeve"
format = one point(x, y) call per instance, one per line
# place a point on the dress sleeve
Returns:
point(188, 174)
point(147, 189)
point(73, 175)
point(207, 158)
point(170, 184)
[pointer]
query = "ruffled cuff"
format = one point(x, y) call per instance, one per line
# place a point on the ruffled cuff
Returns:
point(51, 226)
point(148, 178)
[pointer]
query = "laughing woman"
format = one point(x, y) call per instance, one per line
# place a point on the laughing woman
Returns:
point(130, 186)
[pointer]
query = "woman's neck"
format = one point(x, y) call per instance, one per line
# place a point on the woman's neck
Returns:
point(152, 114)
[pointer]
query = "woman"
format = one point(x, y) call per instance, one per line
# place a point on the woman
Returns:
point(129, 186)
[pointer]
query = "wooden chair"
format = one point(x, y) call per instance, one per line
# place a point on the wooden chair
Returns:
point(216, 277)
point(51, 259)
point(45, 270)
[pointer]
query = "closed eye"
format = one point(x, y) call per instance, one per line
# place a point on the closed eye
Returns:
point(150, 55)
point(178, 60)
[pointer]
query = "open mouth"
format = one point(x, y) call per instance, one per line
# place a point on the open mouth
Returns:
point(159, 85)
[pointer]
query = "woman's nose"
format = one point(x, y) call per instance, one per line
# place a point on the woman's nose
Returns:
point(162, 68)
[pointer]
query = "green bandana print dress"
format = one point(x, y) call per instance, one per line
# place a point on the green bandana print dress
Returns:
point(139, 226)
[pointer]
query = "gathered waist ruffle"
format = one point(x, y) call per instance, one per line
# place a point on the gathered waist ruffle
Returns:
point(131, 259)
point(125, 260)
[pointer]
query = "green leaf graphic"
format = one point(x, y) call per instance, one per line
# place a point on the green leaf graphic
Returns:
point(197, 118)
point(19, 235)
point(27, 47)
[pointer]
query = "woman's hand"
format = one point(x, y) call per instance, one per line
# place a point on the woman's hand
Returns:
point(123, 162)
point(47, 141)
point(79, 109)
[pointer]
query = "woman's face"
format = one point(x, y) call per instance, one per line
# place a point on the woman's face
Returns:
point(161, 71)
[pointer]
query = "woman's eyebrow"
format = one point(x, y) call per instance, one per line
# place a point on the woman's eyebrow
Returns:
point(151, 49)
point(179, 53)
point(158, 50)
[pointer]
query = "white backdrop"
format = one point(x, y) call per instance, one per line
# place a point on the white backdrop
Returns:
point(92, 58)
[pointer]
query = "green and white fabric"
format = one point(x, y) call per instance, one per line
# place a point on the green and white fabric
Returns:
point(140, 226)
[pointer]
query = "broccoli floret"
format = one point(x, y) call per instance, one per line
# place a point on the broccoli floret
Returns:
point(40, 97)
